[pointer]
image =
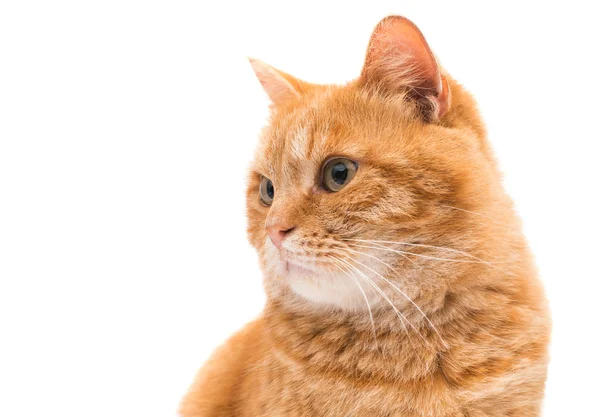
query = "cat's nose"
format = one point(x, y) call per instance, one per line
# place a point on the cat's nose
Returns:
point(278, 232)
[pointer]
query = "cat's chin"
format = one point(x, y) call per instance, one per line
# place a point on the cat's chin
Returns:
point(327, 289)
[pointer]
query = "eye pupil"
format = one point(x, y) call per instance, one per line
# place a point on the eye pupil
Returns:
point(339, 173)
point(270, 189)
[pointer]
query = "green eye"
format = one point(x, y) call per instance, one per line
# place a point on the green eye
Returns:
point(266, 191)
point(337, 172)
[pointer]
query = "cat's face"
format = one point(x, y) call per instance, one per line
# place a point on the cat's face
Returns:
point(350, 187)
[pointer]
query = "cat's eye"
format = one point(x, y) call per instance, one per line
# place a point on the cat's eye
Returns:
point(266, 191)
point(337, 172)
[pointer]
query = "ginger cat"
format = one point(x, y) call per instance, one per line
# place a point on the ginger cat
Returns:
point(398, 279)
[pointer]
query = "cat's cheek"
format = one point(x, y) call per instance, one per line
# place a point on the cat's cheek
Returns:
point(256, 220)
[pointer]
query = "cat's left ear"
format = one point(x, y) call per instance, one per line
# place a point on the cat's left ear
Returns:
point(279, 86)
point(399, 59)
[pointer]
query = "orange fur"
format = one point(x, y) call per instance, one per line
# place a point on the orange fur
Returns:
point(426, 178)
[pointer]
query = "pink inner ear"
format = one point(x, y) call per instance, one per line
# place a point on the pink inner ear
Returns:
point(398, 55)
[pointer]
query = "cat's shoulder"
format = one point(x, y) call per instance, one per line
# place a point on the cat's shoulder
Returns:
point(214, 388)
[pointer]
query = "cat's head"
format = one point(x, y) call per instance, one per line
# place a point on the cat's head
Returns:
point(361, 192)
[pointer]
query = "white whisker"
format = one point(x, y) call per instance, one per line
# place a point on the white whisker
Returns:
point(421, 245)
point(467, 254)
point(401, 252)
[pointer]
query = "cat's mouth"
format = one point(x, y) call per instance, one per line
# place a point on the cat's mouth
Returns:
point(292, 267)
point(291, 262)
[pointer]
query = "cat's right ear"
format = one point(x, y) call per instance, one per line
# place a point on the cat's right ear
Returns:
point(279, 86)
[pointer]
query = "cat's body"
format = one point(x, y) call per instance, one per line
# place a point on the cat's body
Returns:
point(459, 326)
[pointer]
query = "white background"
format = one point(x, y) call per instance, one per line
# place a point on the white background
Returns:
point(125, 132)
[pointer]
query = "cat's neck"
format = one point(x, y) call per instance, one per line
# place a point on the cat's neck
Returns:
point(350, 345)
point(396, 346)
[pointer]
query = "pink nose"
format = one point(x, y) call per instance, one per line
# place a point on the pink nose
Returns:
point(278, 233)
